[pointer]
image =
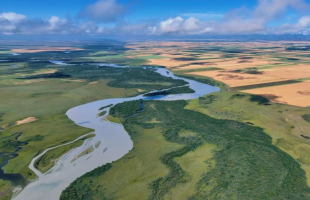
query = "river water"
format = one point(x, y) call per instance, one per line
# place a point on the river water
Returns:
point(111, 143)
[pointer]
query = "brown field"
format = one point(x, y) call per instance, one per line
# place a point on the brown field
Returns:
point(229, 64)
point(234, 79)
point(237, 79)
point(298, 68)
point(167, 62)
point(239, 63)
point(297, 94)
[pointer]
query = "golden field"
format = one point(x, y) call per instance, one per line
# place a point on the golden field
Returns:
point(276, 70)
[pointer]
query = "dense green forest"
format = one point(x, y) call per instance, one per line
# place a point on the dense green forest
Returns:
point(177, 90)
point(141, 78)
point(244, 163)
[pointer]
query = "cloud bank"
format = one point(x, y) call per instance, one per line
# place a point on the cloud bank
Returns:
point(12, 23)
point(103, 11)
point(92, 20)
point(242, 21)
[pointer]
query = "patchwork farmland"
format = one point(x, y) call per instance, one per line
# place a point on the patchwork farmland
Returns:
point(279, 71)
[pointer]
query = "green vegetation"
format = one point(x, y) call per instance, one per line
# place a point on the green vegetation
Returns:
point(104, 107)
point(205, 80)
point(5, 52)
point(298, 48)
point(99, 53)
point(5, 190)
point(27, 87)
point(121, 77)
point(102, 113)
point(77, 189)
point(240, 161)
point(284, 123)
point(47, 161)
point(115, 59)
point(152, 57)
point(249, 87)
point(306, 117)
point(63, 94)
point(177, 90)
point(127, 110)
point(113, 119)
point(83, 153)
point(206, 148)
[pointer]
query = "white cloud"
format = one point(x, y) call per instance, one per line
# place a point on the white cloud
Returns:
point(9, 22)
point(302, 27)
point(204, 16)
point(171, 25)
point(56, 23)
point(191, 24)
point(180, 26)
point(239, 21)
point(245, 21)
point(103, 11)
point(304, 22)
point(270, 9)
point(12, 17)
point(13, 23)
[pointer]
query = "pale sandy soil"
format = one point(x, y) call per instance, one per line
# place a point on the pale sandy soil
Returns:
point(46, 72)
point(74, 80)
point(41, 72)
point(26, 121)
point(140, 90)
point(94, 82)
point(29, 82)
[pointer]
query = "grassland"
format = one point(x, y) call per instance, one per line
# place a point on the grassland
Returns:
point(48, 160)
point(5, 190)
point(190, 155)
point(283, 123)
point(46, 91)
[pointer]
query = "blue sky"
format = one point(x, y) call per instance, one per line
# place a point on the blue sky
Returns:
point(140, 8)
point(154, 17)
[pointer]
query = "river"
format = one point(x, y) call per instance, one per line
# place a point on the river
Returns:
point(111, 143)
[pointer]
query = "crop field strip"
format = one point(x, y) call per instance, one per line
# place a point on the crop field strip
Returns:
point(242, 66)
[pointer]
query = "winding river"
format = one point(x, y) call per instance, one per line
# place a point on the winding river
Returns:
point(111, 143)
